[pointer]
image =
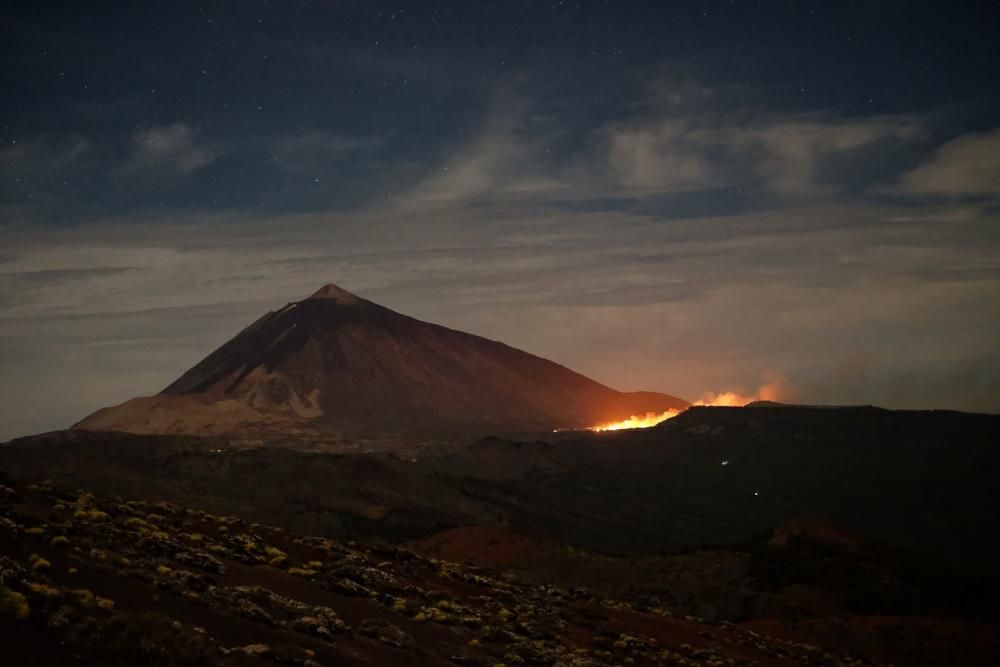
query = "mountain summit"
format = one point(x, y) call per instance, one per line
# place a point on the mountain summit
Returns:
point(336, 363)
point(334, 293)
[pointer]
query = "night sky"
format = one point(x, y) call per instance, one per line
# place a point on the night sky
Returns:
point(688, 197)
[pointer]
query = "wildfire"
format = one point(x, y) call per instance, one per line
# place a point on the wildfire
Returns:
point(727, 399)
point(775, 388)
point(638, 421)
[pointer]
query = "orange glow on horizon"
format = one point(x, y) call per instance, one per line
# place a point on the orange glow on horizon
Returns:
point(637, 421)
point(775, 389)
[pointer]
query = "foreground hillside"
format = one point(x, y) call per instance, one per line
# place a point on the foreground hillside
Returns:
point(865, 532)
point(91, 581)
point(713, 476)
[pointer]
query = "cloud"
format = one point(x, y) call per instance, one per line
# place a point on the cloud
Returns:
point(36, 169)
point(314, 151)
point(170, 147)
point(42, 154)
point(969, 164)
point(683, 137)
point(779, 153)
point(508, 156)
point(658, 156)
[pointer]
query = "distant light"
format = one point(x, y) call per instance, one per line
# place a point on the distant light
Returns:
point(725, 462)
point(756, 493)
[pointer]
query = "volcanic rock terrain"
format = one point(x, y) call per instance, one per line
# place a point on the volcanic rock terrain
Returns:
point(725, 536)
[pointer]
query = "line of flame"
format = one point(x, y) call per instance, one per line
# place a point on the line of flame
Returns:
point(638, 421)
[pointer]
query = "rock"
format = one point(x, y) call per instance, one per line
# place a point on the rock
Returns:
point(386, 632)
point(201, 560)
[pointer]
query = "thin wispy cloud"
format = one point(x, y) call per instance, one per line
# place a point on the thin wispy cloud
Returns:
point(169, 147)
point(969, 164)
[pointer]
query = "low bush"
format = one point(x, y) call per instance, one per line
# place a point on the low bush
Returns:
point(39, 564)
point(13, 605)
point(301, 572)
point(83, 596)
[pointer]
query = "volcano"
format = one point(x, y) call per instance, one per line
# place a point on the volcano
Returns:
point(336, 364)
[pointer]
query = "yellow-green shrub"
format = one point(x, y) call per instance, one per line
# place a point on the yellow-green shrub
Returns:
point(43, 589)
point(136, 522)
point(83, 596)
point(39, 564)
point(13, 605)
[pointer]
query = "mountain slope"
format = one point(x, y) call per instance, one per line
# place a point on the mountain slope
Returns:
point(338, 363)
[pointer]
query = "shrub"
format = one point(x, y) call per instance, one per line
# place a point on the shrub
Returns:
point(35, 531)
point(43, 589)
point(83, 596)
point(301, 572)
point(39, 564)
point(13, 605)
point(163, 570)
point(276, 557)
point(85, 499)
point(315, 564)
point(105, 604)
point(136, 522)
point(59, 541)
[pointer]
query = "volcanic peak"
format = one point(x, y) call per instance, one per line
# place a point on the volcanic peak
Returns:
point(334, 293)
